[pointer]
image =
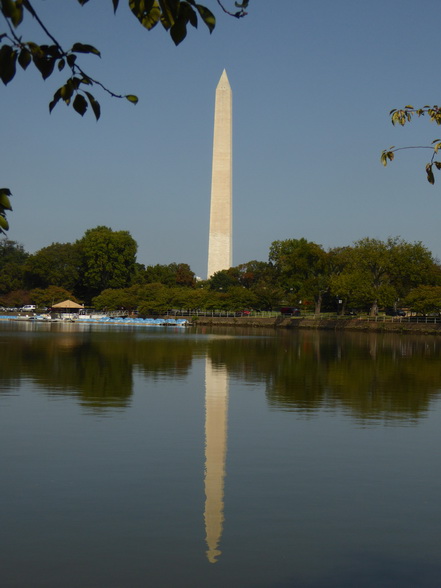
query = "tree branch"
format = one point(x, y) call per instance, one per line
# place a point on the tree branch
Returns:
point(239, 14)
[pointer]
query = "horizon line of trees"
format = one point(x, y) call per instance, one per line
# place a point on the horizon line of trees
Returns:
point(101, 270)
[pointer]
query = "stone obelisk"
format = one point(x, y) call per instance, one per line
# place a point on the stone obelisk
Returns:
point(220, 242)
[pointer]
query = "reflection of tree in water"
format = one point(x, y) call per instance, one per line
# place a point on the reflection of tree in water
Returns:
point(386, 375)
point(372, 375)
point(70, 363)
point(95, 367)
point(160, 358)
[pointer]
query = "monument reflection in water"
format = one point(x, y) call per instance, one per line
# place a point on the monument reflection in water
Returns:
point(216, 423)
point(333, 443)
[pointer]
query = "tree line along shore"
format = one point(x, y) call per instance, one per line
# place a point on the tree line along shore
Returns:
point(101, 271)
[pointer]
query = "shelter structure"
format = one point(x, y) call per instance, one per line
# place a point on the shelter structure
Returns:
point(67, 308)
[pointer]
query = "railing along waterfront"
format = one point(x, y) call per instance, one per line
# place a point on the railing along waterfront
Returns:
point(404, 319)
point(375, 319)
point(308, 316)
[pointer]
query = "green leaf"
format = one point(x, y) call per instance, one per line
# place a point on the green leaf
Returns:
point(115, 5)
point(55, 100)
point(82, 48)
point(71, 60)
point(170, 11)
point(193, 19)
point(4, 225)
point(61, 64)
point(44, 64)
point(95, 105)
point(66, 91)
point(8, 59)
point(24, 58)
point(146, 11)
point(429, 172)
point(51, 51)
point(80, 104)
point(13, 11)
point(5, 203)
point(178, 32)
point(207, 16)
point(132, 98)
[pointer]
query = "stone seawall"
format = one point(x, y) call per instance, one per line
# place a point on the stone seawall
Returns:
point(322, 324)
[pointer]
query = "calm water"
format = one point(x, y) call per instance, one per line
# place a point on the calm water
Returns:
point(203, 458)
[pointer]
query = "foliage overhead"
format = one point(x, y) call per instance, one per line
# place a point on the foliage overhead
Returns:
point(405, 115)
point(52, 56)
point(173, 15)
point(5, 204)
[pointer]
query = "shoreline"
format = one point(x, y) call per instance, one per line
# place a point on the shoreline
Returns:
point(366, 325)
point(329, 324)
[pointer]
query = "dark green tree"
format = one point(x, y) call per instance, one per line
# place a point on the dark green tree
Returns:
point(173, 274)
point(241, 298)
point(108, 260)
point(116, 299)
point(253, 273)
point(12, 265)
point(50, 296)
point(154, 299)
point(380, 273)
point(223, 280)
point(58, 264)
point(424, 299)
point(302, 269)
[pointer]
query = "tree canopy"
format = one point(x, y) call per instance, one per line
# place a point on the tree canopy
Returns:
point(379, 273)
point(108, 259)
point(302, 268)
point(59, 263)
point(101, 269)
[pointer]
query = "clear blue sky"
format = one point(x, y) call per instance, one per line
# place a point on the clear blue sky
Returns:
point(313, 83)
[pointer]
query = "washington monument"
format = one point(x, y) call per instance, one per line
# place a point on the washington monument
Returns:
point(220, 242)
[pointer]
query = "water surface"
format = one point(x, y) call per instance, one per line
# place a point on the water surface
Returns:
point(247, 458)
